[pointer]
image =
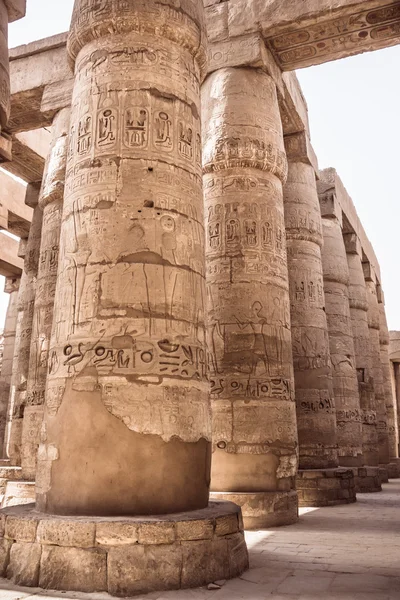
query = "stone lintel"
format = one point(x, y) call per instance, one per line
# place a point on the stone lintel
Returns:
point(330, 207)
point(124, 556)
point(5, 148)
point(32, 194)
point(28, 155)
point(329, 178)
point(369, 272)
point(16, 9)
point(15, 216)
point(352, 243)
point(301, 34)
point(10, 263)
point(298, 149)
point(40, 83)
point(23, 242)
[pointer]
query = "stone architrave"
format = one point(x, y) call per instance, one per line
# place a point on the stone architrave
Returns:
point(25, 306)
point(315, 404)
point(11, 287)
point(375, 364)
point(51, 202)
point(391, 412)
point(359, 320)
point(254, 414)
point(345, 383)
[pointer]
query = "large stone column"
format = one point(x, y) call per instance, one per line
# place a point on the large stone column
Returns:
point(26, 303)
point(10, 328)
point(316, 413)
point(376, 368)
point(127, 425)
point(51, 203)
point(391, 413)
point(254, 413)
point(368, 478)
point(345, 383)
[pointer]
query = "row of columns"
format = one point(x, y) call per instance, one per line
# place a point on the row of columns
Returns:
point(121, 322)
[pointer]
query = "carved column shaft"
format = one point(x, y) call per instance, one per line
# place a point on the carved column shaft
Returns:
point(254, 420)
point(391, 413)
point(376, 366)
point(316, 415)
point(51, 202)
point(345, 383)
point(26, 303)
point(127, 387)
point(4, 83)
point(11, 287)
point(359, 320)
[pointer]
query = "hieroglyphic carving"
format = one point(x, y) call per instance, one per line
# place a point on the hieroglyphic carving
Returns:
point(310, 345)
point(249, 341)
point(327, 40)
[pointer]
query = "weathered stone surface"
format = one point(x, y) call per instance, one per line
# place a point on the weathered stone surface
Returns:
point(329, 487)
point(18, 492)
point(116, 533)
point(128, 347)
point(73, 569)
point(23, 568)
point(58, 532)
point(250, 343)
point(315, 403)
point(341, 343)
point(367, 480)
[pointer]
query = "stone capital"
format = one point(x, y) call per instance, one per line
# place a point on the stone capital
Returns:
point(352, 243)
point(298, 149)
point(32, 194)
point(11, 284)
point(16, 9)
point(330, 207)
point(369, 272)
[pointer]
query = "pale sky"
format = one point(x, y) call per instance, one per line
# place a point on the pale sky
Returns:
point(355, 127)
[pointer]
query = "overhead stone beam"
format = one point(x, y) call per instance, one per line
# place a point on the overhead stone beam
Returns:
point(394, 346)
point(303, 33)
point(41, 83)
point(15, 216)
point(330, 183)
point(10, 263)
point(16, 9)
point(30, 149)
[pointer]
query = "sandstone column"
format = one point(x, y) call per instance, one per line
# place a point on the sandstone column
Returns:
point(316, 414)
point(391, 414)
point(254, 414)
point(5, 143)
point(51, 203)
point(10, 327)
point(26, 303)
point(368, 478)
point(345, 383)
point(376, 368)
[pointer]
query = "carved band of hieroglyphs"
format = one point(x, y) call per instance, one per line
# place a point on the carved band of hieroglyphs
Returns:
point(251, 387)
point(349, 416)
point(324, 404)
point(134, 358)
point(309, 45)
point(369, 417)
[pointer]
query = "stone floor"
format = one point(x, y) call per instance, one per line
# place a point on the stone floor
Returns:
point(337, 553)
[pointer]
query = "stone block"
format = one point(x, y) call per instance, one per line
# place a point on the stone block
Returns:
point(23, 568)
point(21, 530)
point(204, 562)
point(195, 530)
point(5, 546)
point(157, 533)
point(66, 533)
point(226, 525)
point(310, 474)
point(114, 533)
point(141, 569)
point(73, 569)
point(238, 555)
point(328, 484)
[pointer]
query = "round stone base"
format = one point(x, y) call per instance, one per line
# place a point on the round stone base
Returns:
point(262, 510)
point(18, 492)
point(124, 556)
point(367, 480)
point(393, 468)
point(326, 487)
point(383, 473)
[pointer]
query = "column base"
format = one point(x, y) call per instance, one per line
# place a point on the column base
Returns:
point(124, 556)
point(18, 492)
point(393, 468)
point(325, 487)
point(262, 510)
point(367, 480)
point(383, 473)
